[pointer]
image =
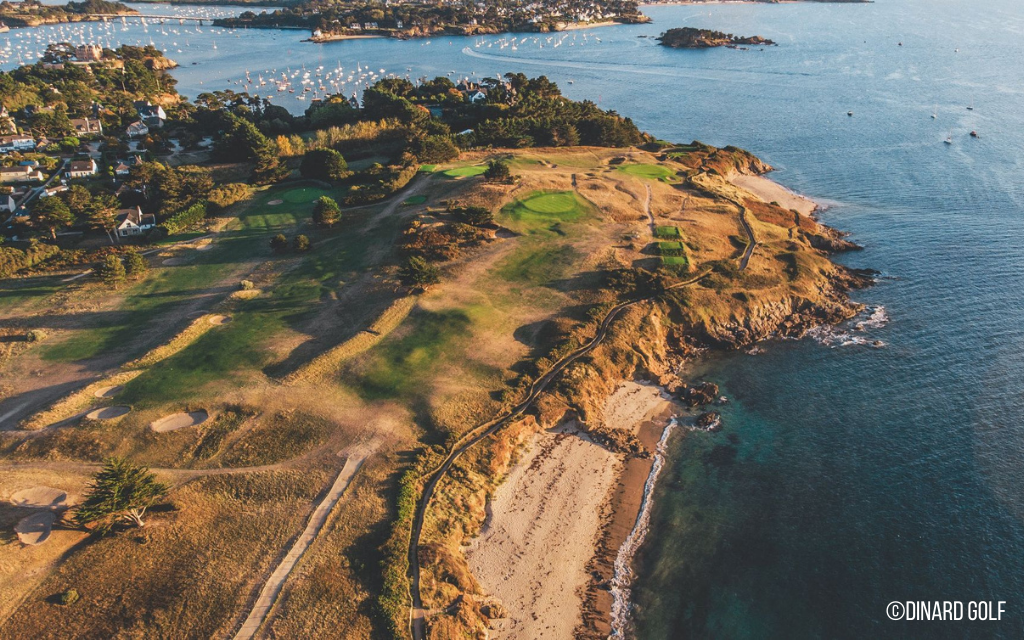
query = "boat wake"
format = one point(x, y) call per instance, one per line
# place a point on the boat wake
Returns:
point(622, 580)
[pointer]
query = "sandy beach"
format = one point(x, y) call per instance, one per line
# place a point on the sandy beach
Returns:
point(771, 191)
point(552, 514)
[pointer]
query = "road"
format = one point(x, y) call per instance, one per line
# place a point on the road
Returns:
point(417, 613)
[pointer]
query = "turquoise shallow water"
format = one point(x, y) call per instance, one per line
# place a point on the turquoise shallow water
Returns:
point(846, 477)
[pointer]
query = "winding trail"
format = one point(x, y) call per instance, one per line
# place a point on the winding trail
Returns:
point(417, 614)
point(275, 583)
point(751, 239)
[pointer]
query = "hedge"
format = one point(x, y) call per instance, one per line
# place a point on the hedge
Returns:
point(191, 217)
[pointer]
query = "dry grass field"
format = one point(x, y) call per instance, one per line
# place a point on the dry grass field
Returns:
point(329, 350)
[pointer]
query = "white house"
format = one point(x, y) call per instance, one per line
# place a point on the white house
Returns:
point(17, 143)
point(20, 174)
point(137, 129)
point(7, 203)
point(476, 96)
point(82, 168)
point(132, 222)
point(87, 126)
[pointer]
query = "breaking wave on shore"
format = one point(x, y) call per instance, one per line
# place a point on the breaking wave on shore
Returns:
point(622, 580)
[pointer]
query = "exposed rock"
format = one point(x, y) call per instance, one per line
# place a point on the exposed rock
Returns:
point(700, 395)
point(690, 38)
point(709, 421)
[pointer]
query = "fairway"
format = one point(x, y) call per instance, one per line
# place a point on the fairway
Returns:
point(466, 172)
point(649, 171)
point(302, 195)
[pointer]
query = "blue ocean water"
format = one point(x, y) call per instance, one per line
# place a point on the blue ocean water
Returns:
point(846, 476)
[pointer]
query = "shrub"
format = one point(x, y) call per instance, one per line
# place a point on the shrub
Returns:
point(475, 216)
point(324, 164)
point(35, 335)
point(326, 211)
point(417, 271)
point(226, 195)
point(247, 285)
point(302, 243)
point(112, 270)
point(498, 172)
point(279, 242)
point(191, 217)
point(13, 260)
point(135, 265)
point(67, 598)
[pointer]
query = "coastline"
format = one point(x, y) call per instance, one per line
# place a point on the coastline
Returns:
point(555, 524)
point(770, 191)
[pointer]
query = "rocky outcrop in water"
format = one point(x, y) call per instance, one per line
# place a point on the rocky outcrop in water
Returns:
point(690, 38)
point(700, 395)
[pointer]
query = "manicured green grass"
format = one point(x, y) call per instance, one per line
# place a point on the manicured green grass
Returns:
point(399, 366)
point(466, 172)
point(648, 171)
point(415, 200)
point(667, 232)
point(302, 195)
point(428, 168)
point(537, 265)
point(676, 262)
point(542, 208)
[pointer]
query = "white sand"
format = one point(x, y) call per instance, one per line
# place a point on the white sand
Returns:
point(177, 421)
point(35, 529)
point(108, 413)
point(174, 262)
point(542, 529)
point(218, 320)
point(42, 497)
point(632, 403)
point(108, 392)
point(274, 203)
point(771, 191)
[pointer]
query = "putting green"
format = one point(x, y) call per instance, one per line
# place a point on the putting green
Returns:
point(466, 172)
point(649, 171)
point(302, 195)
point(415, 200)
point(545, 207)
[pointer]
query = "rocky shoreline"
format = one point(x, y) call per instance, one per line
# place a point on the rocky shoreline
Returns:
point(690, 38)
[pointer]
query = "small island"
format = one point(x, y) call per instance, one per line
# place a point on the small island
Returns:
point(690, 38)
point(32, 13)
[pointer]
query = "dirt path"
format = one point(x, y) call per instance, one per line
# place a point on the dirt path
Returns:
point(272, 588)
point(417, 614)
point(647, 208)
point(751, 240)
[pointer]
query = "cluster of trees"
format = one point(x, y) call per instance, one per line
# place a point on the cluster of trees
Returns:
point(76, 207)
point(423, 19)
point(300, 243)
point(115, 270)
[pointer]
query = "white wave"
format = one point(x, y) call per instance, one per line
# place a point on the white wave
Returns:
point(622, 580)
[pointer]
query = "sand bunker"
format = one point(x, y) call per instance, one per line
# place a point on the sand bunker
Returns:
point(108, 413)
point(205, 245)
point(108, 392)
point(174, 262)
point(177, 421)
point(218, 320)
point(35, 529)
point(41, 497)
point(274, 203)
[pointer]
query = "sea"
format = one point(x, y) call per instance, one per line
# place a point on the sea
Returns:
point(881, 462)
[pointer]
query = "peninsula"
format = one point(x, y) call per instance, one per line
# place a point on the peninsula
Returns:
point(32, 13)
point(408, 354)
point(347, 19)
point(690, 38)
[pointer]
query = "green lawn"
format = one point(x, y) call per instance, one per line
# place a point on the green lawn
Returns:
point(537, 265)
point(415, 200)
point(466, 172)
point(667, 232)
point(428, 168)
point(648, 171)
point(303, 195)
point(670, 248)
point(675, 262)
point(400, 366)
point(547, 209)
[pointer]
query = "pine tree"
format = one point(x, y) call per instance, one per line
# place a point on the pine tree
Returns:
point(120, 492)
point(112, 271)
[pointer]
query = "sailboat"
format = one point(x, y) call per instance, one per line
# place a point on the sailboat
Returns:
point(971, 108)
point(935, 112)
point(949, 138)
